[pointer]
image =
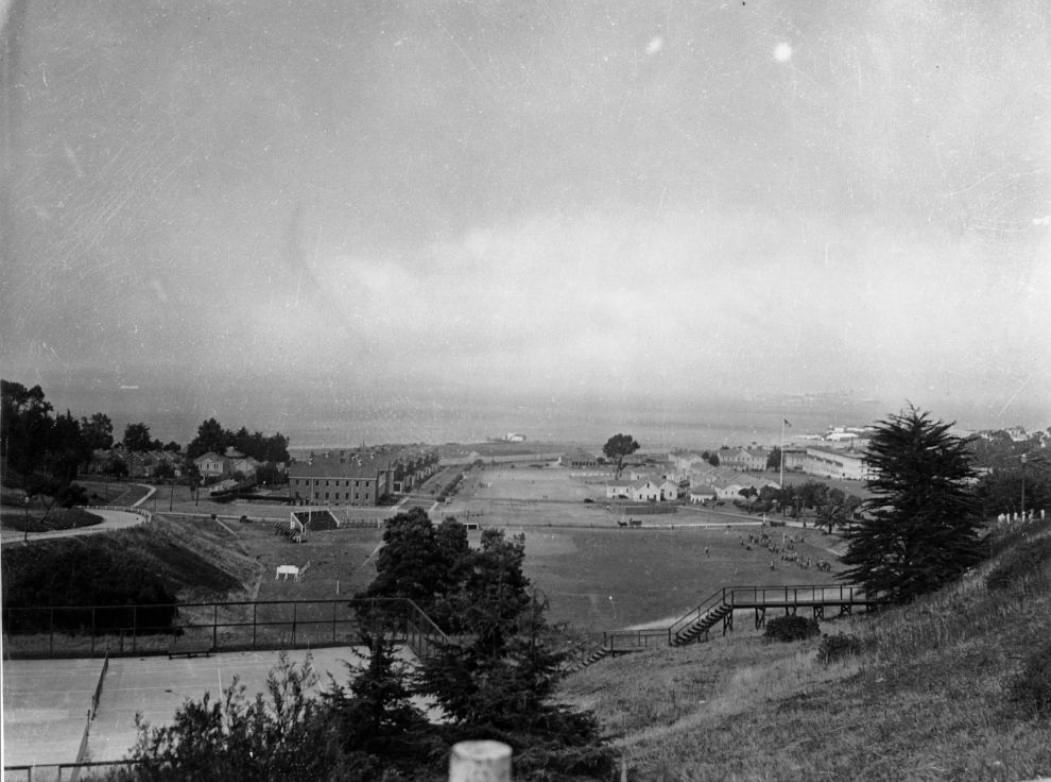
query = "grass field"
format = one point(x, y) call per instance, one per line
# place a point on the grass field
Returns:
point(595, 575)
point(332, 557)
point(604, 579)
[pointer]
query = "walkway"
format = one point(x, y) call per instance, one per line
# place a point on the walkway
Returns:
point(111, 520)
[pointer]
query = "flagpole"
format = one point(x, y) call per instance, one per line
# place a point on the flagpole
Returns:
point(782, 461)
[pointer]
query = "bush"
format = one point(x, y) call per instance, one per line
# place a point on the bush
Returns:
point(791, 628)
point(837, 647)
point(1029, 691)
point(1023, 562)
point(72, 494)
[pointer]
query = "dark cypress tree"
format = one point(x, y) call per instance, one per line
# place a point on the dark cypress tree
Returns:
point(920, 530)
point(409, 564)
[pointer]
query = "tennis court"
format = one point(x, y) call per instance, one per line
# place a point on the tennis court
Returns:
point(46, 701)
point(46, 705)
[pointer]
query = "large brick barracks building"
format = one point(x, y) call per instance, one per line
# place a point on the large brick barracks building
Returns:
point(359, 477)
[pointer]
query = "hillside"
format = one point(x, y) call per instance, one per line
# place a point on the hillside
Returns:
point(926, 698)
point(192, 560)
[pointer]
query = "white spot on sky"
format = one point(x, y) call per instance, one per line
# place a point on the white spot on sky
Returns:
point(782, 52)
point(655, 45)
point(1045, 220)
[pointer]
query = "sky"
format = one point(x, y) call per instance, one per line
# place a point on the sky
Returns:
point(240, 206)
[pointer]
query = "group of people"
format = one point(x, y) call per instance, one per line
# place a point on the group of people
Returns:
point(786, 550)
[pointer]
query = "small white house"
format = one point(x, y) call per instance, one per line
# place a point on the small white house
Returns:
point(669, 491)
point(210, 465)
point(646, 491)
point(619, 489)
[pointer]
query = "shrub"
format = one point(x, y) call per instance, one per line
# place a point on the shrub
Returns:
point(791, 628)
point(72, 494)
point(837, 647)
point(1029, 691)
point(1020, 563)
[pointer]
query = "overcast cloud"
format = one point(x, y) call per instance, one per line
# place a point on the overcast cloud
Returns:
point(676, 198)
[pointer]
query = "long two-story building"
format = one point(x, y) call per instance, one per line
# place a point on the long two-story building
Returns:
point(830, 463)
point(358, 477)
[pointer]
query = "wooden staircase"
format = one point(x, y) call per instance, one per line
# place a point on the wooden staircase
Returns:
point(719, 607)
point(600, 653)
point(700, 626)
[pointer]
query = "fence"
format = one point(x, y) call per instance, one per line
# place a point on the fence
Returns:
point(644, 508)
point(773, 596)
point(147, 515)
point(469, 761)
point(634, 640)
point(93, 709)
point(88, 631)
point(60, 772)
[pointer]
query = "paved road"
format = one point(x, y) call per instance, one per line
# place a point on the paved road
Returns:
point(111, 520)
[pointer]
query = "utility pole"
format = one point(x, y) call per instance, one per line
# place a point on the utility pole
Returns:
point(1023, 458)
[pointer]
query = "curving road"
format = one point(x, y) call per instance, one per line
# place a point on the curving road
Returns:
point(111, 520)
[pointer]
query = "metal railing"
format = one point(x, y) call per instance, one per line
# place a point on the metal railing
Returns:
point(469, 761)
point(777, 596)
point(89, 631)
point(632, 640)
point(58, 772)
point(709, 604)
point(147, 515)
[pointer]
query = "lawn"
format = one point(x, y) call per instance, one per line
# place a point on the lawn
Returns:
point(596, 575)
point(112, 492)
point(604, 579)
point(55, 519)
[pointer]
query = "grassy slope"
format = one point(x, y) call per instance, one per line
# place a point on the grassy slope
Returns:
point(201, 557)
point(923, 702)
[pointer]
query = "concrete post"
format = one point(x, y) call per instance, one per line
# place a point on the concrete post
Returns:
point(480, 761)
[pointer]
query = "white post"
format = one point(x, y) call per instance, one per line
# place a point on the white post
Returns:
point(480, 761)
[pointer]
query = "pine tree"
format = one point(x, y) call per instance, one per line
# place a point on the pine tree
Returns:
point(920, 530)
point(375, 723)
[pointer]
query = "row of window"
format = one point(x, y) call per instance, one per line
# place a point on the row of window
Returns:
point(336, 497)
point(335, 482)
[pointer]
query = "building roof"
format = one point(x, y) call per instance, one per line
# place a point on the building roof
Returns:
point(745, 481)
point(351, 467)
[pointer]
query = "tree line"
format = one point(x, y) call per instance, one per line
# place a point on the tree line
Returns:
point(35, 440)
